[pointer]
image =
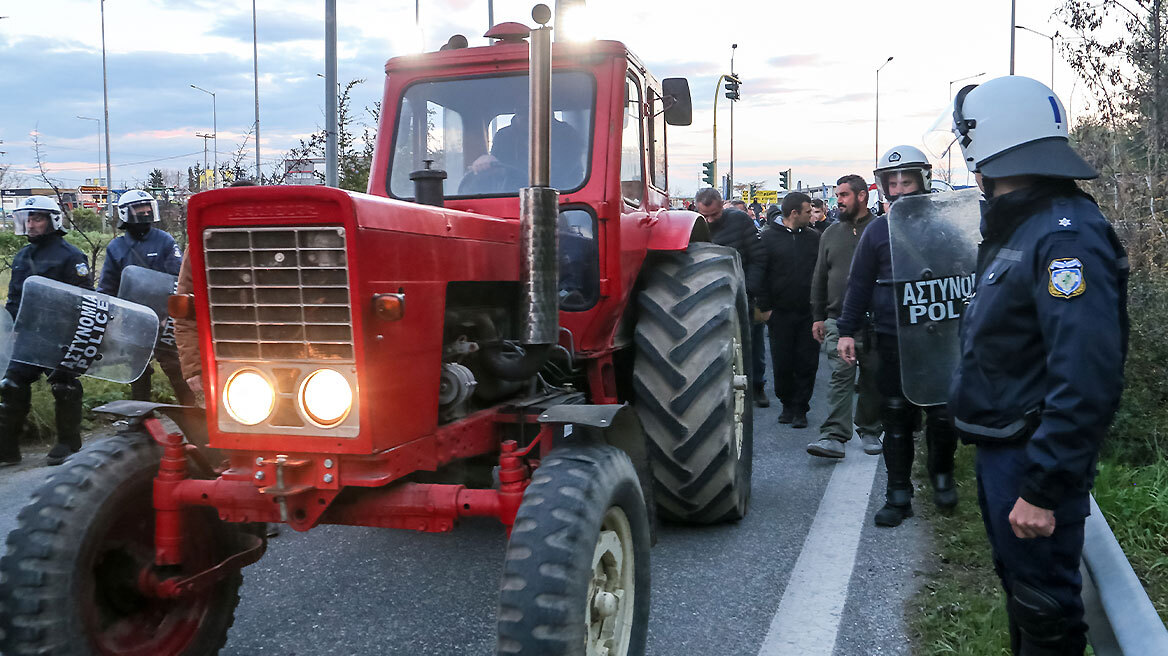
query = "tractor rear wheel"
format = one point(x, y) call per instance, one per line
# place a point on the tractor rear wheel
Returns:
point(69, 578)
point(576, 573)
point(690, 383)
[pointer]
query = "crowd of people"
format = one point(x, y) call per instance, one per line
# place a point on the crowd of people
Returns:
point(1041, 349)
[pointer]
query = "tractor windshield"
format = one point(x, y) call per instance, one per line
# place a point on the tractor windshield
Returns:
point(476, 130)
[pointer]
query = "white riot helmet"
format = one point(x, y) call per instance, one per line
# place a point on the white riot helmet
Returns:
point(1013, 126)
point(37, 204)
point(901, 163)
point(137, 206)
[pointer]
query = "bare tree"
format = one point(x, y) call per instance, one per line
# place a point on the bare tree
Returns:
point(94, 246)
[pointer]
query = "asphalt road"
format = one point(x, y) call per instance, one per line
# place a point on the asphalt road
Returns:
point(715, 590)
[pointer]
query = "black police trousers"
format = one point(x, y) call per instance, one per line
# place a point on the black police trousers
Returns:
point(140, 390)
point(16, 398)
point(1040, 575)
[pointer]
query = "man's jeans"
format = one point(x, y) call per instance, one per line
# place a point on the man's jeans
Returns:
point(842, 391)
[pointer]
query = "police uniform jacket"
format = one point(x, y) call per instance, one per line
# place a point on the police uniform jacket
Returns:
point(156, 250)
point(52, 257)
point(1044, 339)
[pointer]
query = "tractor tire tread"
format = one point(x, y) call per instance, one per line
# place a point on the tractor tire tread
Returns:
point(551, 545)
point(36, 616)
point(679, 383)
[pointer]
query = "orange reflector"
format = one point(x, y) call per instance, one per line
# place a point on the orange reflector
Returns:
point(389, 307)
point(181, 306)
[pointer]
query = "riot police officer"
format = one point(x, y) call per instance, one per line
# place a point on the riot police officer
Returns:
point(41, 220)
point(902, 171)
point(145, 246)
point(1042, 350)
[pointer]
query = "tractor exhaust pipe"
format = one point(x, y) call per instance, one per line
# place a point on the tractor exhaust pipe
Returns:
point(538, 202)
point(539, 312)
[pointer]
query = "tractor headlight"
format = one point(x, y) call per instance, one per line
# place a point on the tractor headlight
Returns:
point(326, 397)
point(249, 397)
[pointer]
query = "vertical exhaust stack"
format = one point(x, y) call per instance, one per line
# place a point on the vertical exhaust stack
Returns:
point(539, 203)
point(538, 311)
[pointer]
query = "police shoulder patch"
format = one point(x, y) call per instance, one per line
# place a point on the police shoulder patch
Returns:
point(177, 252)
point(1066, 277)
point(82, 269)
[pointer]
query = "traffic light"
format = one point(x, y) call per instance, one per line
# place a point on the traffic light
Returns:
point(753, 187)
point(785, 179)
point(708, 175)
point(732, 84)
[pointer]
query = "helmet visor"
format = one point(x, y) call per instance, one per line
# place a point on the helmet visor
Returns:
point(20, 222)
point(140, 212)
point(941, 136)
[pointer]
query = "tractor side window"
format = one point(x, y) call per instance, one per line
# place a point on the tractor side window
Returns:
point(657, 142)
point(632, 148)
point(579, 260)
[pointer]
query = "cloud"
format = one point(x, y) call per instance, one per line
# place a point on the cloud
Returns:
point(795, 61)
point(270, 28)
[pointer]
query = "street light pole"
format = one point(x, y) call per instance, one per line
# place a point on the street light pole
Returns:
point(878, 108)
point(109, 180)
point(733, 49)
point(204, 136)
point(214, 135)
point(950, 151)
point(330, 91)
point(1045, 36)
point(255, 68)
point(1013, 22)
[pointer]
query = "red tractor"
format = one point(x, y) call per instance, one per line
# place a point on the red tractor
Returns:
point(425, 352)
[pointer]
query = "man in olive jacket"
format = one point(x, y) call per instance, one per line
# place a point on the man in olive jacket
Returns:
point(828, 286)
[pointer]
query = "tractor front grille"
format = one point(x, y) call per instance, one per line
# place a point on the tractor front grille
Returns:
point(279, 294)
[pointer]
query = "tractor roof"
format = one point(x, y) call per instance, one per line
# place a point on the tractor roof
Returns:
point(501, 53)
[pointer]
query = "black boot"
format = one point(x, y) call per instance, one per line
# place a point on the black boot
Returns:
point(15, 400)
point(898, 458)
point(942, 443)
point(67, 392)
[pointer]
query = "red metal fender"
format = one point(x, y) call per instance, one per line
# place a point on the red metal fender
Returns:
point(674, 230)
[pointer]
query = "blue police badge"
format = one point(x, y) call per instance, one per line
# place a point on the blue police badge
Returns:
point(1066, 277)
point(82, 269)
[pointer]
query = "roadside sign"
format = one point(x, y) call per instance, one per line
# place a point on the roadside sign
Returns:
point(763, 196)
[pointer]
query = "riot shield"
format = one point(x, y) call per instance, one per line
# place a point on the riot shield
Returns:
point(5, 339)
point(61, 326)
point(934, 241)
point(147, 287)
point(152, 289)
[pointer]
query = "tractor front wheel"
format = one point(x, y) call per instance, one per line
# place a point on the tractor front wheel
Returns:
point(69, 581)
point(576, 574)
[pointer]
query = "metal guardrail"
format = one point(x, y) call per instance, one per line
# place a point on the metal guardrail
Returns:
point(1121, 618)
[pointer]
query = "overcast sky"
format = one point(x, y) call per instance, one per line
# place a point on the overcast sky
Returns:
point(808, 96)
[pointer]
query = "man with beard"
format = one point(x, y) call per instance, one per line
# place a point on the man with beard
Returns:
point(828, 285)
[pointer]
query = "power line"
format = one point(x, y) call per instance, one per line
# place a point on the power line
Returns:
point(145, 161)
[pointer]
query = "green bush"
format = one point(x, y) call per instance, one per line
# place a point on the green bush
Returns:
point(86, 219)
point(1137, 435)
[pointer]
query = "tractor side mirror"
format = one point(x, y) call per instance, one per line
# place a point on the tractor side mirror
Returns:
point(678, 107)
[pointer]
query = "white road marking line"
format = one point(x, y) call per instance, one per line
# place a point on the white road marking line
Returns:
point(808, 617)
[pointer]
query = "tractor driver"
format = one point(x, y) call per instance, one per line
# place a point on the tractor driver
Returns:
point(504, 169)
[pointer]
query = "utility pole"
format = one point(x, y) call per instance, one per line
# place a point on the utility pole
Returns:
point(205, 137)
point(109, 180)
point(255, 68)
point(214, 135)
point(1045, 36)
point(330, 91)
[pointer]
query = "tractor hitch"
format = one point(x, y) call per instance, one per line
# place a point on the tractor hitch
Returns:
point(174, 587)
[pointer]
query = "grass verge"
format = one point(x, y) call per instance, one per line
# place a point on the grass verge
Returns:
point(961, 609)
